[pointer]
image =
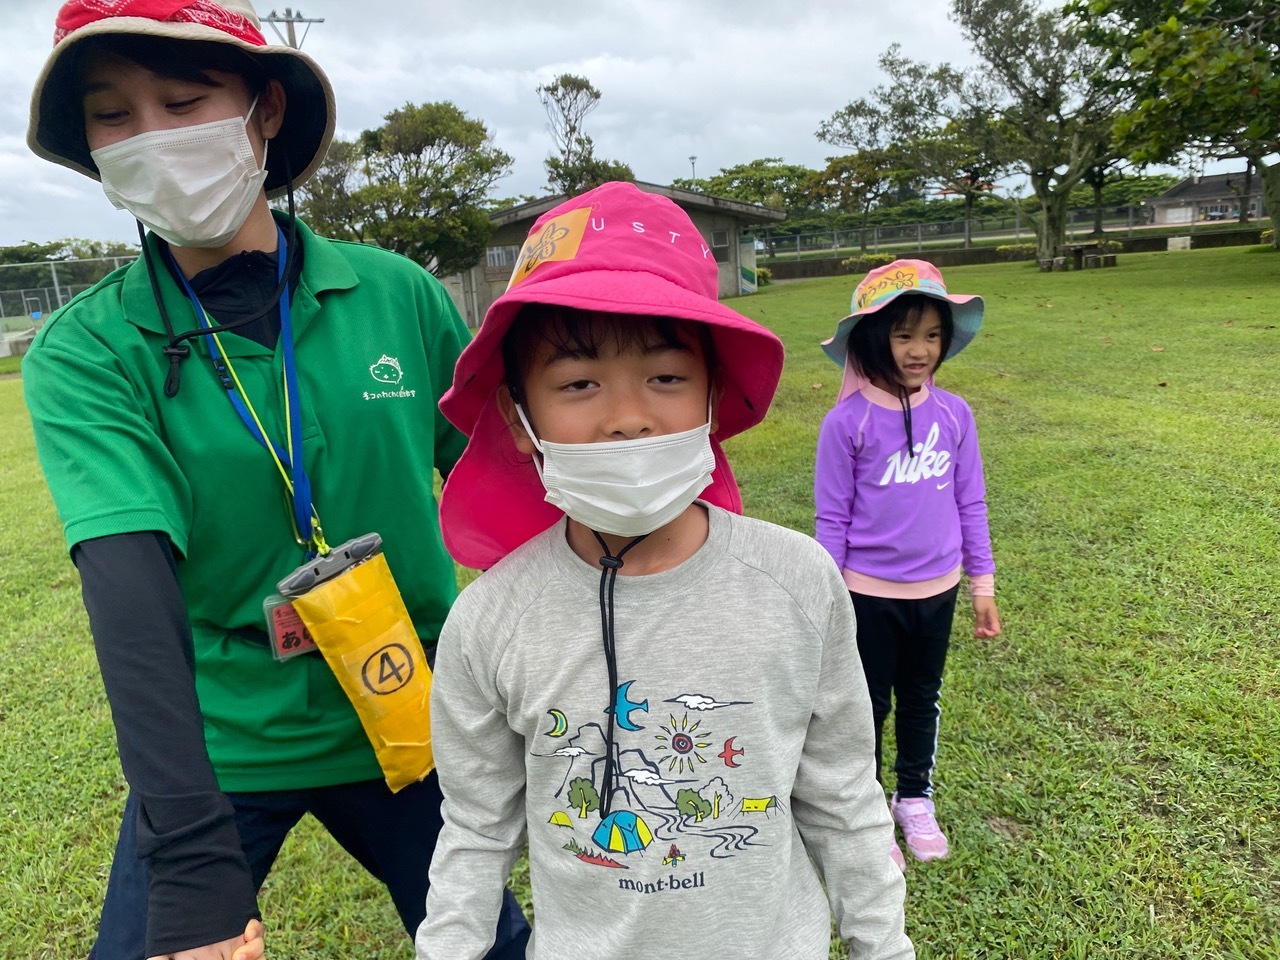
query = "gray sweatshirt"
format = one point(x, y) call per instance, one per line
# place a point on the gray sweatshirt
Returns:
point(743, 759)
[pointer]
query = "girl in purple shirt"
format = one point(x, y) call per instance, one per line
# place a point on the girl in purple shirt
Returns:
point(901, 508)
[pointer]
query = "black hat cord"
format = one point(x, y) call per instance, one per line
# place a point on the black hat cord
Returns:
point(904, 398)
point(610, 564)
point(177, 349)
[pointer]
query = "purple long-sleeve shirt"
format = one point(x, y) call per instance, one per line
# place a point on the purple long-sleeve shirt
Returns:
point(893, 518)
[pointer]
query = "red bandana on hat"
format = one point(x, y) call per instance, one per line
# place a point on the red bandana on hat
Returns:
point(80, 13)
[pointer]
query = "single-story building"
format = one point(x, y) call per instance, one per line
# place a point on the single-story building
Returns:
point(1217, 196)
point(719, 220)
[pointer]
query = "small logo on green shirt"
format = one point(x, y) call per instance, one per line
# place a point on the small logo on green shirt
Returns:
point(386, 370)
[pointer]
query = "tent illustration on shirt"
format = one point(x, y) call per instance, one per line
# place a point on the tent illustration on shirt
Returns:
point(654, 797)
point(624, 832)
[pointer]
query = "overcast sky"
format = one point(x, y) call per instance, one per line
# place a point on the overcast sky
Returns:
point(727, 81)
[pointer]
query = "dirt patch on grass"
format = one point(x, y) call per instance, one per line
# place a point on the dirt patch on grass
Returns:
point(1008, 829)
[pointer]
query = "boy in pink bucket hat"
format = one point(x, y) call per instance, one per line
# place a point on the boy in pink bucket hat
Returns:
point(662, 697)
point(900, 506)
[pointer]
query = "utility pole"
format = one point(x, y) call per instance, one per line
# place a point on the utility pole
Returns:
point(289, 18)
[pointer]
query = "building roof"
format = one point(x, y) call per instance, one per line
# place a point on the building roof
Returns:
point(1213, 186)
point(689, 199)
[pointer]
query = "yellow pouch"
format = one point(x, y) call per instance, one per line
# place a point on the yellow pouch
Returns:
point(359, 622)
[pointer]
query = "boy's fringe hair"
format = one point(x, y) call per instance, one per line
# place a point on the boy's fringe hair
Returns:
point(583, 333)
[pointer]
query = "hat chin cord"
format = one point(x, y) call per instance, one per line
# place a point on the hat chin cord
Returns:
point(177, 349)
point(904, 398)
point(610, 564)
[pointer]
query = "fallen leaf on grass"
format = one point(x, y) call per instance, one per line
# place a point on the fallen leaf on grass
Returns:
point(815, 386)
point(1229, 323)
point(1157, 349)
point(1003, 374)
point(1163, 383)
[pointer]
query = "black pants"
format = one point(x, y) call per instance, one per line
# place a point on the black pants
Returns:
point(391, 835)
point(903, 646)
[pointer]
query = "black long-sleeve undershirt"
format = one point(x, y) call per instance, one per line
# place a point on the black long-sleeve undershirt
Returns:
point(201, 888)
point(201, 891)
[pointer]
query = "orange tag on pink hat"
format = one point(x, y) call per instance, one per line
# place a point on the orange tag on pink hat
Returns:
point(556, 239)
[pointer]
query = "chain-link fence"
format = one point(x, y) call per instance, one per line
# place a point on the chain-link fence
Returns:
point(31, 291)
point(1117, 222)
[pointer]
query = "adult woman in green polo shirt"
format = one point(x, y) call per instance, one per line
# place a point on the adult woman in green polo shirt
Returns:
point(192, 471)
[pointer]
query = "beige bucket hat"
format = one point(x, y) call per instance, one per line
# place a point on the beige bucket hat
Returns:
point(56, 131)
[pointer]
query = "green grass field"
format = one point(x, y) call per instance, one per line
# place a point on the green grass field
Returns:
point(1109, 768)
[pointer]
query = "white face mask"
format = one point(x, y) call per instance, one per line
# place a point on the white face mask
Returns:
point(625, 487)
point(194, 186)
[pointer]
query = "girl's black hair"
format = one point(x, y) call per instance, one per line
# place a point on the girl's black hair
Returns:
point(582, 333)
point(869, 349)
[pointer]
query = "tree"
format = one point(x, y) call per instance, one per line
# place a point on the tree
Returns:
point(947, 124)
point(692, 804)
point(498, 204)
point(76, 264)
point(582, 794)
point(1204, 75)
point(1106, 170)
point(417, 185)
point(859, 180)
point(568, 99)
point(856, 182)
point(31, 252)
point(1055, 116)
point(768, 182)
point(1033, 105)
point(79, 249)
point(1126, 189)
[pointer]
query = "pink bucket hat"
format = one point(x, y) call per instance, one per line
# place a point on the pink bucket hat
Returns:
point(882, 286)
point(620, 250)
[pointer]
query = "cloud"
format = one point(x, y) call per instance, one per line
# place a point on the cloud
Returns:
point(699, 701)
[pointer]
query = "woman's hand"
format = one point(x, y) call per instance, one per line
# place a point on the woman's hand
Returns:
point(250, 946)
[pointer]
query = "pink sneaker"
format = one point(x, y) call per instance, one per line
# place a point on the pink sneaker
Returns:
point(895, 854)
point(925, 840)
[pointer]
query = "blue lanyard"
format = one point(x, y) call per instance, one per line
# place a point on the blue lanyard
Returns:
point(296, 480)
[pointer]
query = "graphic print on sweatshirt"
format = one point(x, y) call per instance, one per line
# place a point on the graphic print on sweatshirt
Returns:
point(681, 788)
point(927, 463)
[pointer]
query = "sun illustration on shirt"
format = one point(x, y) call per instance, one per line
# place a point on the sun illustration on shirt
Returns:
point(681, 739)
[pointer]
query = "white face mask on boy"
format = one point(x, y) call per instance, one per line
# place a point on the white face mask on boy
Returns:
point(625, 487)
point(194, 186)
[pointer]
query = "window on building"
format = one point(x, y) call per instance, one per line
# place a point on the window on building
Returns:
point(720, 245)
point(503, 256)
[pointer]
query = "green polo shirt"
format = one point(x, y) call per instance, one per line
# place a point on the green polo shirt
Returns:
point(376, 339)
